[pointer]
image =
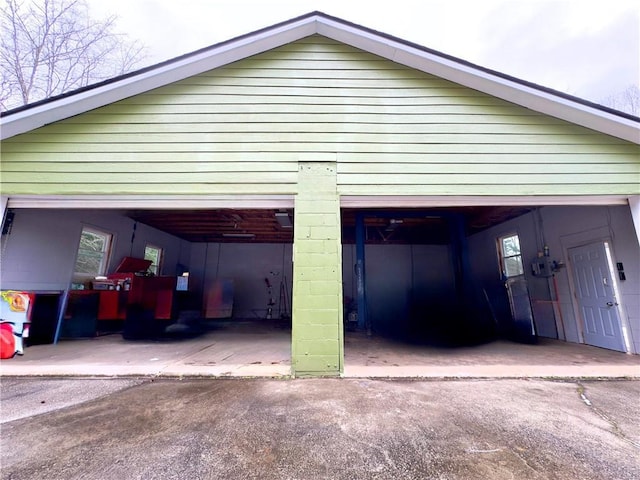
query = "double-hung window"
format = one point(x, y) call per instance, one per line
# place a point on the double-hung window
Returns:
point(510, 256)
point(153, 253)
point(93, 253)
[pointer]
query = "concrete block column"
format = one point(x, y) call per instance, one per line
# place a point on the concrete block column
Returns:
point(317, 335)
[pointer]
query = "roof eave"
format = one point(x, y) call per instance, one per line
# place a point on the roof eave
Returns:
point(530, 96)
point(67, 106)
point(513, 90)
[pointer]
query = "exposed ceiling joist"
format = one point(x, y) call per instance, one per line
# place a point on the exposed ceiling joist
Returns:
point(271, 226)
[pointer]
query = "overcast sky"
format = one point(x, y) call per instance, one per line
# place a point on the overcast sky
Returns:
point(587, 48)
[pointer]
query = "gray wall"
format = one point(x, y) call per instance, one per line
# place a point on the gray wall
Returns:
point(247, 265)
point(572, 226)
point(562, 228)
point(40, 251)
point(485, 268)
point(402, 281)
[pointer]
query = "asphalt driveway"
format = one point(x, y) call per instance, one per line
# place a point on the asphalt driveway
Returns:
point(319, 429)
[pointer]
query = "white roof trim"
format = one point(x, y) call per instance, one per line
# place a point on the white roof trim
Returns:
point(196, 202)
point(417, 201)
point(412, 56)
point(151, 202)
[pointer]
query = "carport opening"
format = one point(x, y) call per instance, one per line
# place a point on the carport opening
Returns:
point(417, 281)
point(432, 276)
point(468, 276)
point(239, 263)
point(226, 273)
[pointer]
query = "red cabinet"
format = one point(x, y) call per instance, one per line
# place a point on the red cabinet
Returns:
point(112, 305)
point(154, 294)
point(151, 293)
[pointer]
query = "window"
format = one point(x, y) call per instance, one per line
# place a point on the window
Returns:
point(510, 256)
point(93, 253)
point(153, 253)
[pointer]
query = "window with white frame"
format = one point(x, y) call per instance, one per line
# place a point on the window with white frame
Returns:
point(153, 253)
point(93, 253)
point(510, 256)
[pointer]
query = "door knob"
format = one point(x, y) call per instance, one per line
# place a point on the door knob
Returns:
point(611, 304)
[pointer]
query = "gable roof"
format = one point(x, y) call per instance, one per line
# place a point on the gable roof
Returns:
point(520, 92)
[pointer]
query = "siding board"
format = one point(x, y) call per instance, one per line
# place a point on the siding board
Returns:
point(333, 138)
point(314, 127)
point(187, 177)
point(373, 83)
point(614, 153)
point(492, 189)
point(268, 89)
point(271, 161)
point(438, 107)
point(169, 188)
point(232, 119)
point(434, 168)
point(264, 72)
point(153, 166)
point(330, 98)
point(242, 129)
point(496, 158)
point(477, 179)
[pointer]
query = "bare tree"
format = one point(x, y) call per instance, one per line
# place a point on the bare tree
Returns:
point(628, 100)
point(49, 47)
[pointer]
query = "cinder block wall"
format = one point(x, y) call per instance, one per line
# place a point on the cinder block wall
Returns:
point(317, 348)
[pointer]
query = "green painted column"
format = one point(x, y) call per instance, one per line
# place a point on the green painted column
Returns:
point(317, 335)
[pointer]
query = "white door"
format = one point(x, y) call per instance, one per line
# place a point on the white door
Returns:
point(595, 295)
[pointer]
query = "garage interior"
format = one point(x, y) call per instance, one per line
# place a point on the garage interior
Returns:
point(424, 305)
point(430, 279)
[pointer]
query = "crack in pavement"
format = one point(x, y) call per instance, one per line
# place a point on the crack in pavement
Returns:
point(616, 430)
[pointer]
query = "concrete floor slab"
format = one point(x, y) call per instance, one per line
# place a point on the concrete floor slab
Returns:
point(242, 349)
point(376, 357)
point(254, 349)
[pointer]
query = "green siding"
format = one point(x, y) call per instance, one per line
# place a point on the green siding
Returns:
point(241, 129)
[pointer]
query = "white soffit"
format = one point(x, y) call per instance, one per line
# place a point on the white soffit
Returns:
point(317, 23)
point(145, 202)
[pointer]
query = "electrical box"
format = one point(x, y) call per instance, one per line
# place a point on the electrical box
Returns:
point(542, 267)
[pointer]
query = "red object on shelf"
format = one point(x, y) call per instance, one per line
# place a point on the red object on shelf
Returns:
point(151, 293)
point(133, 265)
